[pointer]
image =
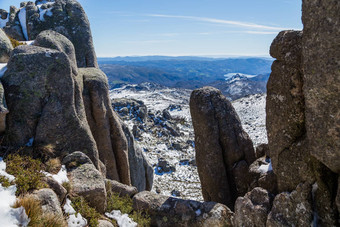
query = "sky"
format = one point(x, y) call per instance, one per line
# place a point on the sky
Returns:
point(187, 27)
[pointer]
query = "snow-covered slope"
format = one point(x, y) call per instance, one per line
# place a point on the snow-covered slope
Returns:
point(160, 144)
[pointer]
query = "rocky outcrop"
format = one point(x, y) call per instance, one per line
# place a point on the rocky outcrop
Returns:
point(130, 108)
point(58, 189)
point(321, 38)
point(252, 209)
point(141, 171)
point(5, 47)
point(105, 126)
point(169, 211)
point(66, 17)
point(292, 209)
point(285, 120)
point(119, 188)
point(3, 110)
point(45, 103)
point(223, 150)
point(86, 181)
point(49, 201)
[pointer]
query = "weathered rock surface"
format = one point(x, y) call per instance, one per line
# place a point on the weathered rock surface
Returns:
point(59, 190)
point(5, 47)
point(223, 149)
point(131, 108)
point(321, 63)
point(54, 40)
point(88, 182)
point(263, 176)
point(252, 209)
point(169, 211)
point(3, 110)
point(49, 201)
point(66, 17)
point(105, 223)
point(105, 126)
point(285, 108)
point(122, 189)
point(45, 103)
point(292, 209)
point(141, 172)
point(262, 150)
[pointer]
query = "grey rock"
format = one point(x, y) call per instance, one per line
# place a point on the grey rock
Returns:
point(262, 150)
point(141, 171)
point(45, 103)
point(220, 143)
point(337, 200)
point(87, 181)
point(68, 18)
point(3, 110)
point(59, 190)
point(76, 159)
point(321, 63)
point(54, 40)
point(169, 211)
point(105, 125)
point(104, 223)
point(292, 209)
point(252, 209)
point(285, 116)
point(130, 108)
point(122, 189)
point(49, 201)
point(5, 47)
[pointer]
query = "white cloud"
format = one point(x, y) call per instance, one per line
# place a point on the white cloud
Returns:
point(219, 21)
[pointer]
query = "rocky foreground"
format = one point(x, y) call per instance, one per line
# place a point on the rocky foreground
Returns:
point(56, 115)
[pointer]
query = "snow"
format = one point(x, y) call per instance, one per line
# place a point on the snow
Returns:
point(30, 142)
point(264, 168)
point(74, 220)
point(47, 11)
point(123, 220)
point(3, 21)
point(198, 212)
point(3, 69)
point(10, 216)
point(60, 177)
point(22, 19)
point(230, 75)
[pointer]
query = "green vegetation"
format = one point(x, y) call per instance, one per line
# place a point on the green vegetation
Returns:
point(81, 206)
point(36, 215)
point(15, 43)
point(5, 182)
point(124, 204)
point(27, 173)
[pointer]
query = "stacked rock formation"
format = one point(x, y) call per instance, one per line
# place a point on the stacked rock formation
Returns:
point(66, 17)
point(56, 106)
point(224, 150)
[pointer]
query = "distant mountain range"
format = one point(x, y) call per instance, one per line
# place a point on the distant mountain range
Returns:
point(249, 75)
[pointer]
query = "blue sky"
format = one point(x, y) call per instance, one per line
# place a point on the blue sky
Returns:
point(187, 27)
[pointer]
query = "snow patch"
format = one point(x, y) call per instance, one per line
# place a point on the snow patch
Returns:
point(3, 21)
point(22, 19)
point(10, 216)
point(61, 176)
point(266, 168)
point(3, 69)
point(123, 220)
point(30, 142)
point(74, 220)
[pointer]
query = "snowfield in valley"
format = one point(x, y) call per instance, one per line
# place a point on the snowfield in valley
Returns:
point(178, 152)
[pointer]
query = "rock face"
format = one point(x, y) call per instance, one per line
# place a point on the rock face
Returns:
point(141, 172)
point(169, 211)
point(105, 125)
point(5, 47)
point(253, 208)
point(223, 150)
point(3, 110)
point(119, 188)
point(49, 201)
point(321, 38)
point(45, 103)
point(86, 181)
point(66, 17)
point(292, 209)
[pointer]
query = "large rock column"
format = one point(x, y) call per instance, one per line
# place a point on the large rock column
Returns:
point(105, 126)
point(223, 150)
point(321, 67)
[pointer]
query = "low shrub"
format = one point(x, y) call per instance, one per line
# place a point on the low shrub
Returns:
point(27, 172)
point(5, 182)
point(15, 43)
point(36, 215)
point(81, 206)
